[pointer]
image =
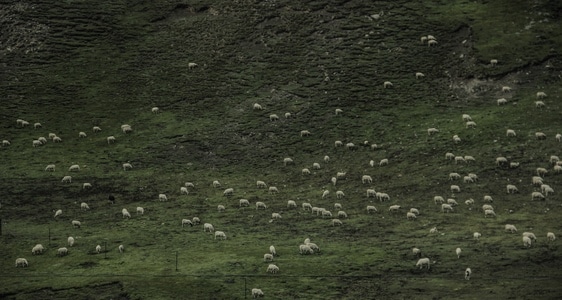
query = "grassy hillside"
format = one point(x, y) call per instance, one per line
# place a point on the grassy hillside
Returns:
point(72, 65)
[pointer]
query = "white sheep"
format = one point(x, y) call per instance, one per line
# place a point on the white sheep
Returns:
point(325, 194)
point(383, 162)
point(449, 155)
point(541, 171)
point(267, 257)
point(454, 176)
point(527, 242)
point(52, 135)
point(305, 133)
point(550, 236)
point(36, 143)
point(340, 194)
point(140, 210)
point(554, 159)
point(506, 89)
point(208, 227)
point(513, 165)
point(316, 166)
point(21, 262)
point(58, 213)
point(540, 136)
point(111, 139)
point(476, 235)
point(511, 228)
point(334, 180)
point(394, 208)
point(288, 115)
point(287, 161)
point(488, 198)
point(162, 197)
point(350, 146)
point(216, 184)
point(473, 176)
point(411, 216)
point(70, 241)
point(342, 214)
point(6, 143)
point(337, 205)
point(416, 252)
point(98, 249)
point(541, 95)
point(246, 202)
point(189, 185)
point(125, 213)
point(228, 192)
point(467, 273)
point(469, 158)
point(419, 75)
point(371, 208)
point(452, 202)
point(501, 101)
point(459, 159)
point(337, 222)
point(220, 234)
point(539, 104)
point(510, 132)
point(272, 250)
point(126, 128)
point(414, 211)
point(511, 189)
point(326, 213)
point(155, 110)
point(537, 196)
point(501, 161)
point(371, 193)
point(192, 65)
point(458, 252)
point(67, 179)
point(433, 230)
point(456, 139)
point(273, 190)
point(557, 168)
point(273, 117)
point(186, 222)
point(305, 249)
point(220, 208)
point(423, 262)
point(466, 117)
point(256, 293)
point(487, 207)
point(372, 163)
point(326, 159)
point(96, 129)
point(196, 220)
point(366, 179)
point(469, 201)
point(470, 124)
point(305, 171)
point(260, 204)
point(76, 224)
point(383, 197)
point(455, 189)
point(558, 137)
point(387, 84)
point(37, 249)
point(338, 144)
point(260, 184)
point(86, 185)
point(438, 199)
point(276, 216)
point(338, 111)
point(537, 180)
point(272, 269)
point(530, 235)
point(493, 62)
point(57, 139)
point(306, 206)
point(121, 248)
point(489, 212)
point(431, 43)
point(431, 131)
point(468, 179)
point(127, 166)
point(446, 207)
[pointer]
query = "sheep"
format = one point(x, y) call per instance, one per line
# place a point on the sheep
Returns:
point(536, 180)
point(220, 234)
point(371, 193)
point(96, 129)
point(287, 161)
point(305, 249)
point(423, 261)
point(229, 192)
point(306, 206)
point(337, 222)
point(326, 213)
point(456, 139)
point(272, 250)
point(58, 213)
point(267, 257)
point(383, 197)
point(506, 89)
point(273, 269)
point(476, 235)
point(325, 194)
point(394, 208)
point(273, 117)
point(470, 124)
point(469, 201)
point(371, 209)
point(511, 228)
point(186, 222)
point(416, 252)
point(541, 171)
point(539, 104)
point(557, 168)
point(414, 211)
point(493, 62)
point(541, 95)
point(57, 139)
point(305, 133)
point(110, 139)
point(513, 165)
point(337, 205)
point(342, 214)
point(76, 224)
point(196, 220)
point(455, 189)
point(487, 207)
point(511, 189)
point(62, 251)
point(467, 273)
point(438, 199)
point(419, 75)
point(288, 115)
point(86, 185)
point(305, 171)
point(488, 198)
point(162, 197)
point(540, 136)
point(338, 111)
point(459, 159)
point(121, 248)
point(558, 137)
point(530, 235)
point(220, 208)
point(468, 179)
point(98, 249)
point(466, 117)
point(37, 249)
point(127, 166)
point(431, 131)
point(6, 143)
point(50, 168)
point(326, 158)
point(21, 262)
point(245, 202)
point(433, 230)
point(208, 227)
point(340, 194)
point(458, 252)
point(366, 179)
point(372, 163)
point(449, 155)
point(216, 184)
point(192, 65)
point(338, 144)
point(473, 176)
point(550, 236)
point(423, 39)
point(273, 190)
point(52, 135)
point(452, 202)
point(140, 210)
point(387, 84)
point(155, 110)
point(70, 241)
point(510, 132)
point(446, 207)
point(260, 204)
point(527, 242)
point(411, 216)
point(67, 179)
point(537, 196)
point(501, 101)
point(276, 216)
point(334, 180)
point(431, 43)
point(454, 176)
point(554, 159)
point(316, 166)
point(383, 162)
point(126, 128)
point(125, 213)
point(350, 146)
point(500, 161)
point(256, 293)
point(189, 185)
point(489, 212)
point(36, 143)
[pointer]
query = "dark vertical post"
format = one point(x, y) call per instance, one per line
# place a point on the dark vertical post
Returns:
point(176, 261)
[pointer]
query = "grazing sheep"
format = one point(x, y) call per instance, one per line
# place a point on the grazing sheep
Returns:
point(558, 137)
point(334, 180)
point(541, 95)
point(162, 197)
point(510, 132)
point(230, 192)
point(419, 75)
point(488, 198)
point(411, 216)
point(76, 224)
point(530, 235)
point(111, 139)
point(192, 65)
point(452, 202)
point(431, 43)
point(267, 257)
point(449, 155)
point(276, 216)
point(260, 204)
point(37, 249)
point(454, 176)
point(500, 161)
point(216, 184)
point(340, 175)
point(467, 273)
point(416, 252)
point(273, 117)
point(338, 111)
point(554, 159)
point(245, 202)
point(186, 222)
point(487, 206)
point(260, 184)
point(288, 115)
point(511, 228)
point(340, 194)
point(540, 136)
point(539, 104)
point(438, 199)
point(433, 230)
point(541, 171)
point(476, 235)
point(493, 62)
point(70, 241)
point(459, 159)
point(371, 209)
point(273, 269)
point(489, 212)
point(511, 189)
point(350, 146)
point(155, 110)
point(366, 179)
point(58, 213)
point(305, 171)
point(337, 206)
point(473, 176)
point(50, 168)
point(338, 144)
point(52, 135)
point(287, 161)
point(256, 293)
point(127, 166)
point(456, 139)
point(387, 84)
point(121, 248)
point(372, 163)
point(371, 193)
point(74, 168)
point(208, 227)
point(96, 129)
point(383, 197)
point(273, 190)
point(325, 194)
point(414, 211)
point(305, 249)
point(336, 222)
point(383, 162)
point(446, 207)
point(468, 179)
point(537, 180)
point(506, 89)
point(501, 101)
point(220, 234)
point(272, 250)
point(125, 213)
point(557, 168)
point(326, 158)
point(140, 210)
point(470, 124)
point(196, 220)
point(326, 213)
point(306, 206)
point(469, 201)
point(550, 236)
point(6, 143)
point(98, 249)
point(537, 196)
point(394, 208)
point(126, 128)
point(466, 118)
point(257, 106)
point(305, 133)
point(431, 131)
point(342, 214)
point(316, 166)
point(455, 189)
point(220, 208)
point(513, 165)
point(57, 139)
point(67, 179)
point(21, 262)
point(423, 261)
point(86, 185)
point(527, 242)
